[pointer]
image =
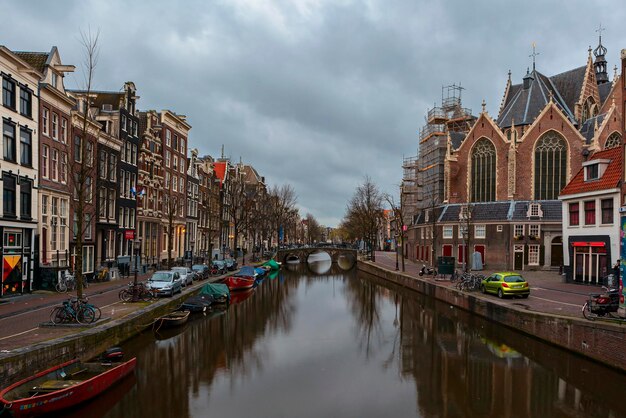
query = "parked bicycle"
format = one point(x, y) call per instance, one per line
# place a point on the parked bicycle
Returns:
point(141, 292)
point(67, 281)
point(470, 281)
point(602, 305)
point(73, 311)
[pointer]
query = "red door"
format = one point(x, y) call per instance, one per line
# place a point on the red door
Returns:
point(447, 250)
point(481, 250)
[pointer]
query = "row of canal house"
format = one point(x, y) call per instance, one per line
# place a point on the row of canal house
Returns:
point(139, 173)
point(542, 181)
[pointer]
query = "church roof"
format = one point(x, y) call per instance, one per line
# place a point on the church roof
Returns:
point(609, 180)
point(588, 129)
point(456, 138)
point(504, 211)
point(522, 106)
point(604, 89)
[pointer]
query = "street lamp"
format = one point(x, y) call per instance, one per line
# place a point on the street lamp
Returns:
point(137, 249)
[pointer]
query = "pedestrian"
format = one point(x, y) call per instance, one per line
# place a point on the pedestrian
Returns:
point(616, 269)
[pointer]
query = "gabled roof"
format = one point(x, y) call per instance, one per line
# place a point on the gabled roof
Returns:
point(569, 85)
point(609, 180)
point(37, 60)
point(456, 138)
point(588, 130)
point(524, 105)
point(504, 211)
point(604, 89)
point(551, 210)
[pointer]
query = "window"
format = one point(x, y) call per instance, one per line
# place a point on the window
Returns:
point(607, 211)
point(102, 196)
point(182, 184)
point(55, 126)
point(102, 165)
point(89, 153)
point(12, 239)
point(112, 167)
point(45, 117)
point(26, 103)
point(54, 165)
point(168, 137)
point(499, 228)
point(44, 209)
point(26, 148)
point(592, 172)
point(25, 199)
point(8, 93)
point(8, 130)
point(533, 210)
point(590, 212)
point(55, 79)
point(123, 123)
point(182, 146)
point(480, 231)
point(78, 142)
point(63, 222)
point(182, 165)
point(87, 226)
point(132, 218)
point(64, 130)
point(167, 158)
point(44, 161)
point(8, 195)
point(63, 171)
point(175, 142)
point(533, 255)
point(550, 166)
point(167, 180)
point(518, 230)
point(614, 140)
point(88, 259)
point(574, 218)
point(88, 190)
point(483, 184)
point(111, 204)
point(533, 230)
point(175, 183)
point(175, 165)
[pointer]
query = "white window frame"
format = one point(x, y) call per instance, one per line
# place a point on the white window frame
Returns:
point(531, 227)
point(483, 229)
point(45, 117)
point(533, 255)
point(516, 229)
point(499, 228)
point(448, 231)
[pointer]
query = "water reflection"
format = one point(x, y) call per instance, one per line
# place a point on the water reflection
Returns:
point(343, 344)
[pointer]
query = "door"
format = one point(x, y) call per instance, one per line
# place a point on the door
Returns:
point(556, 259)
point(447, 250)
point(518, 257)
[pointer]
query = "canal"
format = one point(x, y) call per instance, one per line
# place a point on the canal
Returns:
point(341, 344)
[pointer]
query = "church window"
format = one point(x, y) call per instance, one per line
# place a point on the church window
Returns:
point(590, 109)
point(483, 172)
point(614, 140)
point(550, 166)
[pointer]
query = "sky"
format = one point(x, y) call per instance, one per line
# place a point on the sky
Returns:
point(314, 93)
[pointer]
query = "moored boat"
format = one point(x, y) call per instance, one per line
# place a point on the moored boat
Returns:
point(197, 303)
point(217, 291)
point(235, 283)
point(173, 319)
point(62, 386)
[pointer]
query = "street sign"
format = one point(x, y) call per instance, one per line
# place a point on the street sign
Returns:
point(129, 234)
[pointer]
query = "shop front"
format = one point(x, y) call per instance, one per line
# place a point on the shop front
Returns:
point(16, 260)
point(591, 260)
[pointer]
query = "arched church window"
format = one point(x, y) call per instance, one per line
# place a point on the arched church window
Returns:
point(483, 172)
point(614, 140)
point(589, 109)
point(550, 166)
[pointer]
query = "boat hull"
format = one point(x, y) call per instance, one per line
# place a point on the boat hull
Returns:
point(174, 319)
point(65, 398)
point(239, 283)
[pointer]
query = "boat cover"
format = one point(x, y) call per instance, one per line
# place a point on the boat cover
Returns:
point(259, 271)
point(272, 264)
point(246, 271)
point(216, 290)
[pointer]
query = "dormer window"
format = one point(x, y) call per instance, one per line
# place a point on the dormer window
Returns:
point(594, 169)
point(55, 80)
point(534, 210)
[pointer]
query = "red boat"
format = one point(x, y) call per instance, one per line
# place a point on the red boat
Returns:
point(62, 386)
point(239, 283)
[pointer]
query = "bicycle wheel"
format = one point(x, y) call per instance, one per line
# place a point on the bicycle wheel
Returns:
point(146, 295)
point(125, 295)
point(85, 315)
point(58, 315)
point(587, 312)
point(61, 286)
point(97, 311)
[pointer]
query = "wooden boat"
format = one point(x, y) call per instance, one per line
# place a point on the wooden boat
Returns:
point(62, 387)
point(173, 319)
point(197, 303)
point(235, 283)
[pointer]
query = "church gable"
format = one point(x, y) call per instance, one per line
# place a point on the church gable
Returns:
point(588, 103)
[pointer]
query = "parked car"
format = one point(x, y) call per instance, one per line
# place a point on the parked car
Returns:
point(165, 282)
point(186, 275)
point(506, 284)
point(201, 270)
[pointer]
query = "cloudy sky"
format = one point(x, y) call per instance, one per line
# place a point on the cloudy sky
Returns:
point(315, 93)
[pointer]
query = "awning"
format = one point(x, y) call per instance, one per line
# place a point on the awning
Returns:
point(589, 244)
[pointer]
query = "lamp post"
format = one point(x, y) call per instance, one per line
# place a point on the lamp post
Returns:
point(136, 249)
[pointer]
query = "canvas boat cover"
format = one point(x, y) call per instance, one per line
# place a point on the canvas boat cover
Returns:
point(272, 264)
point(246, 271)
point(216, 290)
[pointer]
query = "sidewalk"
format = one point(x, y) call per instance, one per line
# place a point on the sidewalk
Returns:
point(549, 292)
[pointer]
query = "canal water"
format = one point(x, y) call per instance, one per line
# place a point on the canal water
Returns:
point(324, 342)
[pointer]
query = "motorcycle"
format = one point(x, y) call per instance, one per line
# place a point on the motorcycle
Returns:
point(601, 305)
point(427, 270)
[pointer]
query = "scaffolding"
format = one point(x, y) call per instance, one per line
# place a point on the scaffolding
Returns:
point(410, 187)
point(450, 116)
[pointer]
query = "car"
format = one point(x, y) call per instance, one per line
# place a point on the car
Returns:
point(202, 271)
point(506, 283)
point(186, 275)
point(165, 283)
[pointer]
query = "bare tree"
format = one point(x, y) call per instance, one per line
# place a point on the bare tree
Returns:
point(82, 180)
point(364, 214)
point(398, 214)
point(281, 200)
point(314, 231)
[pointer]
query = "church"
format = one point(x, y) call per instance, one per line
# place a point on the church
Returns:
point(503, 179)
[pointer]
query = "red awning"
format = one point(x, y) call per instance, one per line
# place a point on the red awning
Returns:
point(589, 244)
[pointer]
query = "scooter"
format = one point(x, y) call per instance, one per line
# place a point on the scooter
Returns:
point(427, 270)
point(601, 305)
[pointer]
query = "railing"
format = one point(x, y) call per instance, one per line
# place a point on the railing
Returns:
point(432, 129)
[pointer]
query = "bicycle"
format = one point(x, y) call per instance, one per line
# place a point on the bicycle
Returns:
point(72, 311)
point(140, 292)
point(66, 282)
point(84, 303)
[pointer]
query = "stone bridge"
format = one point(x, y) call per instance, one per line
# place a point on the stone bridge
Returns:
point(303, 254)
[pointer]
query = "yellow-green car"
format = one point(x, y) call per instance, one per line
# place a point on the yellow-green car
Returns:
point(505, 284)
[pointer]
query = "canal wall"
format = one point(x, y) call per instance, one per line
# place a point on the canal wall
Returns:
point(23, 362)
point(601, 341)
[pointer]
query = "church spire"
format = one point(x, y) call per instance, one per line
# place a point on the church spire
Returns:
point(600, 63)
